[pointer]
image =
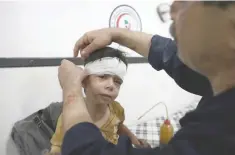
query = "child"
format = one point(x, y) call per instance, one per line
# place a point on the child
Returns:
point(106, 69)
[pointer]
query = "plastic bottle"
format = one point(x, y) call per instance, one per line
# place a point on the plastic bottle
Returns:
point(166, 133)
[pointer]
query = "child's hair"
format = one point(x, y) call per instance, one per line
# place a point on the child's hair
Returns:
point(106, 52)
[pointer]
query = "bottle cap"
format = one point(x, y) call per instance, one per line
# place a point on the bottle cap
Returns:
point(167, 122)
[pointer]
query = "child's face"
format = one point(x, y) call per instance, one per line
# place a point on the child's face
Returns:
point(103, 89)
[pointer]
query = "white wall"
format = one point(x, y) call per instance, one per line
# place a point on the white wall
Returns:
point(50, 29)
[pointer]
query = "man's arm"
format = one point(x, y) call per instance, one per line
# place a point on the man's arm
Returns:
point(93, 40)
point(163, 55)
point(86, 139)
point(140, 42)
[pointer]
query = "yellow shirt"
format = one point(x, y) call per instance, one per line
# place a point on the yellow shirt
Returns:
point(108, 130)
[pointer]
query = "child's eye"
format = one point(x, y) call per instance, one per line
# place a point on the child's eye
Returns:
point(119, 82)
point(103, 76)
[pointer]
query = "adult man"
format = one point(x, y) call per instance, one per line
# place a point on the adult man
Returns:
point(205, 37)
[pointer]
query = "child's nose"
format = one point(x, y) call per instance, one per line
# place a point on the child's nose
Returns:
point(110, 83)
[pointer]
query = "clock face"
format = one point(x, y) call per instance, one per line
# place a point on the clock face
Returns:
point(124, 16)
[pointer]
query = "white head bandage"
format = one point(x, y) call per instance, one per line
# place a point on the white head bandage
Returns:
point(107, 65)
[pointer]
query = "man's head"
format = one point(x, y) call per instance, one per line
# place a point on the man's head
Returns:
point(205, 34)
point(106, 68)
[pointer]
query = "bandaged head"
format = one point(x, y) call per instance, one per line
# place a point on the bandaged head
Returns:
point(107, 65)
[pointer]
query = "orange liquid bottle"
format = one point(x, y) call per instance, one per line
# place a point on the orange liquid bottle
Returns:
point(166, 133)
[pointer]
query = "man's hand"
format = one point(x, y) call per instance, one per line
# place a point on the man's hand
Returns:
point(70, 76)
point(74, 108)
point(92, 41)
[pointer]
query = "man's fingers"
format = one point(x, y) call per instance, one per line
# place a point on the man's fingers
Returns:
point(64, 61)
point(91, 42)
point(81, 44)
point(82, 73)
point(77, 47)
point(93, 46)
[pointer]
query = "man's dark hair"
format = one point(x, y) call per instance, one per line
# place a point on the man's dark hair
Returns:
point(106, 52)
point(221, 4)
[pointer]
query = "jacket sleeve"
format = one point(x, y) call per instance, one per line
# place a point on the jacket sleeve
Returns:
point(93, 143)
point(163, 56)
